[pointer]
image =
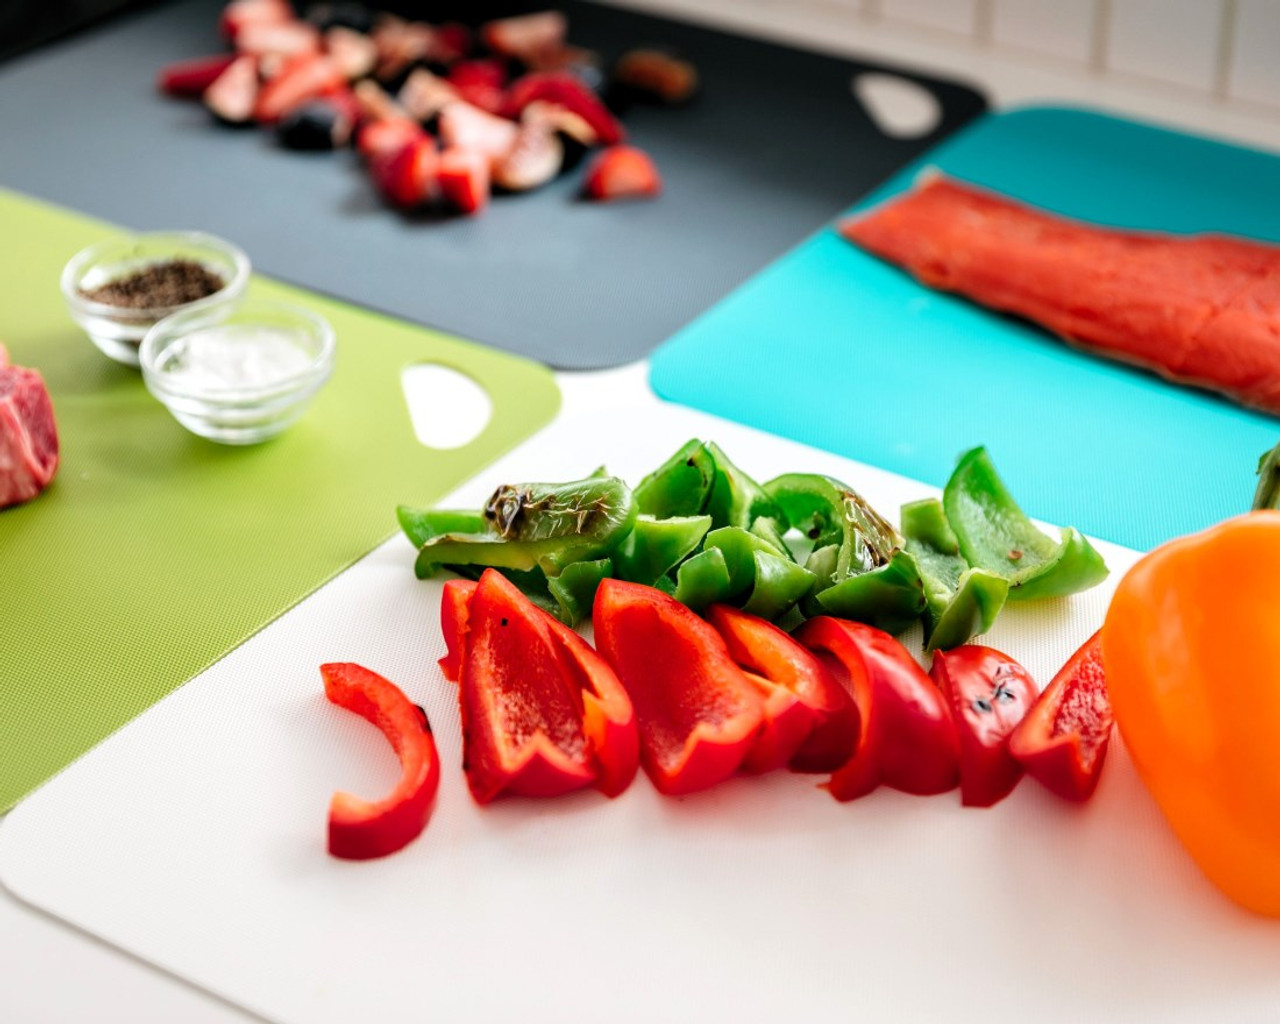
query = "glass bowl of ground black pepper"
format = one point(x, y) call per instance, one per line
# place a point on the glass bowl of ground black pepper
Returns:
point(118, 289)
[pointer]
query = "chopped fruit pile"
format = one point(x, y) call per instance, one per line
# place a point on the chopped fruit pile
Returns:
point(441, 114)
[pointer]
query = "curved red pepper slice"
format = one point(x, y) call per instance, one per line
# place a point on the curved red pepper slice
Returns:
point(453, 623)
point(908, 741)
point(990, 694)
point(360, 829)
point(1062, 742)
point(608, 718)
point(522, 728)
point(697, 713)
point(810, 721)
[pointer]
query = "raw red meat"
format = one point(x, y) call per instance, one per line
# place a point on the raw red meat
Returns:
point(1198, 309)
point(28, 434)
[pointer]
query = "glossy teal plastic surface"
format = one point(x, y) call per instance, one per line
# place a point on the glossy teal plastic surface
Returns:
point(835, 348)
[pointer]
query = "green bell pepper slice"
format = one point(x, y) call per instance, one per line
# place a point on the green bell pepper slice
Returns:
point(960, 602)
point(539, 526)
point(829, 512)
point(735, 498)
point(575, 588)
point(779, 584)
point(1267, 494)
point(655, 546)
point(889, 597)
point(995, 534)
point(421, 524)
point(680, 486)
point(703, 580)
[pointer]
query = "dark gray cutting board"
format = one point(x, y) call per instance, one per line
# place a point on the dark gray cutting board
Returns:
point(775, 147)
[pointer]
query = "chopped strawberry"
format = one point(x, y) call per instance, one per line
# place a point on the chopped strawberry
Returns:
point(526, 36)
point(401, 44)
point(481, 83)
point(234, 94)
point(303, 78)
point(285, 38)
point(622, 172)
point(534, 159)
point(380, 139)
point(190, 78)
point(482, 71)
point(463, 125)
point(353, 52)
point(424, 95)
point(453, 42)
point(408, 177)
point(565, 89)
point(239, 13)
point(375, 103)
point(464, 179)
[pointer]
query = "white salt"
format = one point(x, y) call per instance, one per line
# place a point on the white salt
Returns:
point(236, 356)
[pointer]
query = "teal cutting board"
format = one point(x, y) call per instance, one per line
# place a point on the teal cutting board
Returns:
point(834, 348)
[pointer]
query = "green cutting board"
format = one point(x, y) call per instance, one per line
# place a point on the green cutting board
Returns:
point(155, 552)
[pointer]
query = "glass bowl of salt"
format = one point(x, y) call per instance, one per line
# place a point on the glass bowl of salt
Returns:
point(239, 373)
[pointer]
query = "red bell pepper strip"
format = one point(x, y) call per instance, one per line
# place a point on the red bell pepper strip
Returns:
point(608, 718)
point(697, 713)
point(908, 741)
point(360, 829)
point(990, 694)
point(810, 721)
point(453, 623)
point(1062, 742)
point(522, 717)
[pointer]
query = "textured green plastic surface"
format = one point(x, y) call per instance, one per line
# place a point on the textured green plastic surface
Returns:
point(154, 552)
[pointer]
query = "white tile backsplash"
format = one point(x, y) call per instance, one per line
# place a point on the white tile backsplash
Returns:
point(1255, 52)
point(960, 16)
point(1062, 28)
point(1173, 40)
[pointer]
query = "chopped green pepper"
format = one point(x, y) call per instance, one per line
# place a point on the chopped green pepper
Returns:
point(828, 512)
point(656, 546)
point(1268, 493)
point(680, 486)
point(545, 526)
point(575, 588)
point(779, 584)
point(995, 534)
point(736, 499)
point(889, 597)
point(703, 580)
point(960, 602)
point(421, 524)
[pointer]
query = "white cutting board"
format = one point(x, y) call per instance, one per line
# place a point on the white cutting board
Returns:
point(194, 838)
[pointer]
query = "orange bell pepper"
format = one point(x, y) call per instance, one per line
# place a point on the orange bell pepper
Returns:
point(1191, 644)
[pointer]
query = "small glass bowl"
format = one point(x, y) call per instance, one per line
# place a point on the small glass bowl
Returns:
point(248, 332)
point(118, 330)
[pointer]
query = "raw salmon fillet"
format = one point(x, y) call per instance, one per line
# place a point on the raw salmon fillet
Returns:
point(1198, 309)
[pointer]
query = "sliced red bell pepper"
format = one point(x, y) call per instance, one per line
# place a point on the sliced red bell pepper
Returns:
point(522, 716)
point(608, 718)
point(908, 741)
point(360, 829)
point(990, 694)
point(810, 721)
point(453, 623)
point(697, 713)
point(1062, 742)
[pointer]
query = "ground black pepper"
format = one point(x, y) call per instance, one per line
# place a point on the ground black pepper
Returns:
point(171, 283)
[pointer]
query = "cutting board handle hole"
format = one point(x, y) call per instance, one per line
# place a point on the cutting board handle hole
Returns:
point(899, 107)
point(448, 409)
